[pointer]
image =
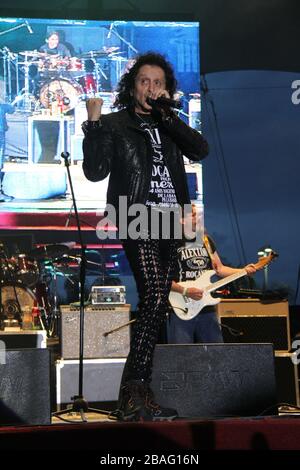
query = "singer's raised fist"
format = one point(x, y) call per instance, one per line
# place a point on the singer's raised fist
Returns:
point(93, 106)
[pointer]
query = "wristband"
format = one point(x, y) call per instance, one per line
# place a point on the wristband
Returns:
point(184, 293)
point(91, 125)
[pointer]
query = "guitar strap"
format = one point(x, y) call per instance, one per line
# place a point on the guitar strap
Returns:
point(207, 245)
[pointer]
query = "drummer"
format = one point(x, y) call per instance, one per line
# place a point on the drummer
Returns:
point(53, 45)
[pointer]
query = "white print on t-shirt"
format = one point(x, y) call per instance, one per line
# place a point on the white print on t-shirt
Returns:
point(161, 190)
point(192, 260)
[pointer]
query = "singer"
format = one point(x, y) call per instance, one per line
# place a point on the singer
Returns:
point(193, 260)
point(141, 146)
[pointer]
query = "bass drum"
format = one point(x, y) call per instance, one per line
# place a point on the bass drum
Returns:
point(61, 94)
point(12, 296)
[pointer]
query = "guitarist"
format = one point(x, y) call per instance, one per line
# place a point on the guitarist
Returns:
point(193, 259)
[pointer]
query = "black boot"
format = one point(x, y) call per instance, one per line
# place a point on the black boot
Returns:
point(136, 403)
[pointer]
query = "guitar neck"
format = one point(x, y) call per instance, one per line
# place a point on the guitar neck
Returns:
point(226, 280)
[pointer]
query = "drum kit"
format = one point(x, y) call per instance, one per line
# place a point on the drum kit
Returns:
point(31, 291)
point(60, 81)
point(28, 287)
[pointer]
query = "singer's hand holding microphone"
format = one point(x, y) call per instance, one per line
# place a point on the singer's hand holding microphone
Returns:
point(163, 102)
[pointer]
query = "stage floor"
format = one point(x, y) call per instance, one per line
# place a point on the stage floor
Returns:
point(179, 436)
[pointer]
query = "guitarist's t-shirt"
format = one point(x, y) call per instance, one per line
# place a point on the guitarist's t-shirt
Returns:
point(193, 259)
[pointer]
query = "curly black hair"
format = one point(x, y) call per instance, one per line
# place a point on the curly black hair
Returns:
point(124, 98)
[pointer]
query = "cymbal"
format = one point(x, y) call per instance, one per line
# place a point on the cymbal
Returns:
point(92, 54)
point(110, 49)
point(49, 251)
point(33, 53)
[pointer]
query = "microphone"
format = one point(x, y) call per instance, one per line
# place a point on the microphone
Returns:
point(110, 30)
point(164, 102)
point(28, 27)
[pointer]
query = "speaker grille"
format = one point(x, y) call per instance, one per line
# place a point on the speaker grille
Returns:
point(97, 322)
point(25, 387)
point(256, 329)
point(215, 380)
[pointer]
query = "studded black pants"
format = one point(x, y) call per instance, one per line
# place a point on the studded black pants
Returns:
point(152, 263)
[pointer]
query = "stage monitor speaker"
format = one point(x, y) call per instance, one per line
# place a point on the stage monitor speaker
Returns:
point(215, 380)
point(98, 320)
point(25, 387)
point(101, 380)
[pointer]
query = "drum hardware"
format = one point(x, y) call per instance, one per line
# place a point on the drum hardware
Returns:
point(29, 100)
point(52, 326)
point(50, 251)
point(27, 271)
point(98, 70)
point(9, 59)
point(49, 310)
point(10, 312)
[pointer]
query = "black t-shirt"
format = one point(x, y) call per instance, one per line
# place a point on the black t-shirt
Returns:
point(61, 50)
point(162, 191)
point(193, 259)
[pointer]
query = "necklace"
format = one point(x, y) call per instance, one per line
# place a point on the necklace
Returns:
point(148, 126)
point(145, 124)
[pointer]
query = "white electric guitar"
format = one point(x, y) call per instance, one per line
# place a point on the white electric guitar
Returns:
point(187, 308)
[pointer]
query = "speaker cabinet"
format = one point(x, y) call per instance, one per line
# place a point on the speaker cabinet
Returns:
point(48, 137)
point(252, 321)
point(100, 340)
point(25, 387)
point(215, 380)
point(101, 380)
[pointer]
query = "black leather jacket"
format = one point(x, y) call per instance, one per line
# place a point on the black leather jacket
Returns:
point(120, 147)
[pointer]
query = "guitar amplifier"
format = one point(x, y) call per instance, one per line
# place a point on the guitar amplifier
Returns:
point(103, 295)
point(106, 331)
point(254, 321)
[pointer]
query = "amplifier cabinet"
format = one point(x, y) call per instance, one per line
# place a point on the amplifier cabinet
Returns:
point(99, 339)
point(253, 321)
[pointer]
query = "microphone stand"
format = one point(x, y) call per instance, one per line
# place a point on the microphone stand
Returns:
point(80, 405)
